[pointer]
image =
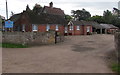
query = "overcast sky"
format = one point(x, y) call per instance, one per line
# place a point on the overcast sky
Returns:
point(95, 7)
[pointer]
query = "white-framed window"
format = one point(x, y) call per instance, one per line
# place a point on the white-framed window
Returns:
point(66, 29)
point(57, 28)
point(78, 27)
point(47, 27)
point(34, 27)
point(23, 27)
point(71, 27)
point(88, 29)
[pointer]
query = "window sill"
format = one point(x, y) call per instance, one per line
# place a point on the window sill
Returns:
point(35, 30)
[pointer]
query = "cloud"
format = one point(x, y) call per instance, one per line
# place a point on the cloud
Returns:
point(99, 5)
point(93, 6)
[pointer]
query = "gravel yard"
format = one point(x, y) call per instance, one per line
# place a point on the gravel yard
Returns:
point(77, 54)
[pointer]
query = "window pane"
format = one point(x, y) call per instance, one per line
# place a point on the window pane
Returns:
point(78, 27)
point(47, 28)
point(23, 27)
point(35, 28)
point(72, 27)
point(57, 27)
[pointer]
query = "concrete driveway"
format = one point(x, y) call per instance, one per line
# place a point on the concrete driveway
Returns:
point(78, 54)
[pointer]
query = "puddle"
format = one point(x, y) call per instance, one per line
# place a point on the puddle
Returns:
point(80, 48)
point(90, 41)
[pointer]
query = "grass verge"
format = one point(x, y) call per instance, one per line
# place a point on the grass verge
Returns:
point(10, 45)
point(116, 67)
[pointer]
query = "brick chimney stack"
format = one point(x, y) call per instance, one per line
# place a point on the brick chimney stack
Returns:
point(51, 4)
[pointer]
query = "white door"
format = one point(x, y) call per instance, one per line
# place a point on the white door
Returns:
point(88, 29)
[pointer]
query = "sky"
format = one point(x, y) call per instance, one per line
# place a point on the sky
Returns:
point(95, 7)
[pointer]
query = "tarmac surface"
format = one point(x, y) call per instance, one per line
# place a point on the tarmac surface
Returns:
point(77, 54)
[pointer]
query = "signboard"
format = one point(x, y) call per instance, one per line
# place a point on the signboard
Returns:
point(8, 24)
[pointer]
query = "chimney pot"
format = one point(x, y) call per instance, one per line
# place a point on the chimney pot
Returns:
point(51, 4)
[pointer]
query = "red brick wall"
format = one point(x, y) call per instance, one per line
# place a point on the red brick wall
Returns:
point(52, 27)
point(23, 20)
point(78, 32)
point(82, 31)
point(42, 28)
point(85, 29)
point(61, 29)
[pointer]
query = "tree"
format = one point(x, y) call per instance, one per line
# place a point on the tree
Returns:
point(115, 21)
point(37, 8)
point(81, 14)
point(107, 15)
point(97, 18)
point(68, 17)
point(116, 12)
point(107, 18)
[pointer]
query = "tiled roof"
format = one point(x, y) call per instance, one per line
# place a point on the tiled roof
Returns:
point(44, 18)
point(96, 25)
point(53, 10)
point(86, 22)
point(77, 22)
point(15, 17)
point(108, 26)
point(81, 22)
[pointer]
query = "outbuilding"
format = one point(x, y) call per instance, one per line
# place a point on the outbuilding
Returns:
point(110, 29)
point(78, 28)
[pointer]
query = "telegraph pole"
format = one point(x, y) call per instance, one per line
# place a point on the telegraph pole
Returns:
point(6, 14)
point(6, 10)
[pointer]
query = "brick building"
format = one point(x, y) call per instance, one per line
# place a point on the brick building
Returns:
point(29, 21)
point(40, 19)
point(78, 28)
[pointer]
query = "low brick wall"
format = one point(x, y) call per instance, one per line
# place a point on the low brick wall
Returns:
point(29, 38)
point(117, 45)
